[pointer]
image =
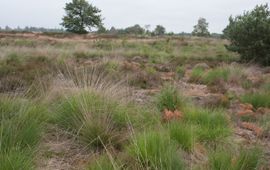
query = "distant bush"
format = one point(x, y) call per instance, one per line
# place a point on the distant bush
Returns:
point(250, 35)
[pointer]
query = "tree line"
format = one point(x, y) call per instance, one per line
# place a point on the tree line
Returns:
point(249, 33)
point(31, 29)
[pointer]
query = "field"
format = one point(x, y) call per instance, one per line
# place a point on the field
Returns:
point(106, 102)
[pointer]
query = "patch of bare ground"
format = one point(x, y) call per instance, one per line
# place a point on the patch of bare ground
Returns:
point(60, 151)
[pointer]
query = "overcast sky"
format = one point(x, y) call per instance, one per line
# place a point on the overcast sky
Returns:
point(175, 15)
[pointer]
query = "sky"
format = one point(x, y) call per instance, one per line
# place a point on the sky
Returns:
point(175, 15)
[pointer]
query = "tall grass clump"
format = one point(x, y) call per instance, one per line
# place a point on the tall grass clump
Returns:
point(21, 125)
point(246, 159)
point(249, 159)
point(169, 98)
point(103, 162)
point(196, 74)
point(183, 134)
point(89, 115)
point(155, 150)
point(98, 119)
point(257, 99)
point(221, 160)
point(216, 75)
point(211, 124)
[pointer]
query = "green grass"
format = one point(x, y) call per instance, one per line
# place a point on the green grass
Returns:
point(257, 99)
point(16, 159)
point(246, 159)
point(155, 150)
point(21, 126)
point(183, 134)
point(169, 98)
point(196, 75)
point(211, 124)
point(216, 75)
point(180, 70)
point(221, 160)
point(103, 162)
point(98, 120)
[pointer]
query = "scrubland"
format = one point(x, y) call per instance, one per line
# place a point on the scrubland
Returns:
point(83, 102)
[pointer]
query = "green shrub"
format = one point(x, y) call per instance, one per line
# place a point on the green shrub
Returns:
point(155, 150)
point(169, 98)
point(249, 35)
point(183, 134)
point(257, 99)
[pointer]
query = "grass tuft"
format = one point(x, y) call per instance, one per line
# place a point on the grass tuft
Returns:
point(155, 150)
point(169, 98)
point(257, 99)
point(211, 125)
point(183, 134)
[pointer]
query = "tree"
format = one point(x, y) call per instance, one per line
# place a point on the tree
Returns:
point(101, 29)
point(81, 17)
point(136, 29)
point(249, 35)
point(159, 30)
point(201, 29)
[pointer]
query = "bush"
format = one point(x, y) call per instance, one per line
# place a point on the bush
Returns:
point(250, 35)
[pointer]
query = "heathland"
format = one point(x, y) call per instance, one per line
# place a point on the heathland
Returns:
point(121, 102)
